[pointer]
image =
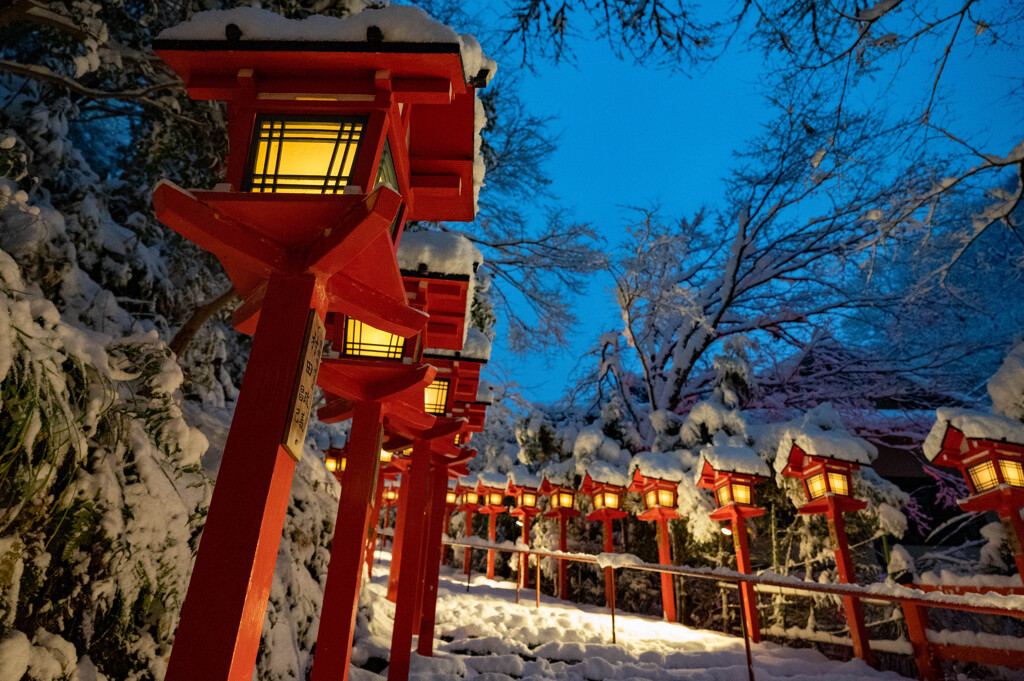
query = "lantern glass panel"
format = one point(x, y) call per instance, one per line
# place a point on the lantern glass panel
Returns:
point(651, 498)
point(472, 498)
point(598, 501)
point(386, 456)
point(390, 494)
point(741, 493)
point(983, 476)
point(724, 495)
point(362, 340)
point(1013, 472)
point(816, 485)
point(666, 498)
point(386, 174)
point(332, 464)
point(839, 483)
point(495, 499)
point(527, 499)
point(611, 500)
point(303, 154)
point(449, 498)
point(435, 396)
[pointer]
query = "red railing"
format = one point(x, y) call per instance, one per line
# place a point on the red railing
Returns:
point(914, 600)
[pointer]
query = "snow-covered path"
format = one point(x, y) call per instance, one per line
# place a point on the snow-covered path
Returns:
point(485, 635)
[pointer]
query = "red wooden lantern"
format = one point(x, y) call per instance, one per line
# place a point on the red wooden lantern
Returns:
point(824, 462)
point(730, 472)
point(491, 489)
point(561, 505)
point(525, 487)
point(607, 500)
point(656, 477)
point(988, 450)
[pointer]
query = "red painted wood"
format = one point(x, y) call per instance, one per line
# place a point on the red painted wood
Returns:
point(492, 534)
point(432, 564)
point(851, 604)
point(371, 539)
point(609, 574)
point(468, 556)
point(1017, 522)
point(668, 592)
point(916, 617)
point(410, 530)
point(750, 613)
point(341, 592)
point(563, 564)
point(524, 567)
point(990, 656)
point(222, 617)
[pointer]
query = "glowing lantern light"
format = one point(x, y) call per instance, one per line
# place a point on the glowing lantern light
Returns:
point(362, 340)
point(607, 498)
point(651, 474)
point(561, 503)
point(489, 489)
point(435, 396)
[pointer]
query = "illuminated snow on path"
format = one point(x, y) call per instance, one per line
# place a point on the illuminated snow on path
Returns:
point(493, 639)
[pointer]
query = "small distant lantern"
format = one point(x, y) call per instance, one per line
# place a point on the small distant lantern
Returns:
point(993, 470)
point(659, 497)
point(494, 505)
point(561, 503)
point(824, 462)
point(731, 471)
point(525, 488)
point(390, 495)
point(607, 499)
point(386, 456)
point(335, 461)
point(450, 498)
point(435, 396)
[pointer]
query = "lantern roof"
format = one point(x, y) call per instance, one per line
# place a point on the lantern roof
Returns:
point(668, 466)
point(728, 456)
point(820, 434)
point(591, 485)
point(484, 393)
point(969, 425)
point(492, 480)
point(559, 474)
point(468, 483)
point(476, 348)
point(519, 476)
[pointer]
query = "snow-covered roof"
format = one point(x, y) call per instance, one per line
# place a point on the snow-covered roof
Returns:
point(444, 253)
point(973, 424)
point(398, 23)
point(820, 432)
point(662, 465)
point(493, 479)
point(477, 346)
point(520, 476)
point(609, 474)
point(484, 393)
point(560, 473)
point(732, 458)
point(469, 480)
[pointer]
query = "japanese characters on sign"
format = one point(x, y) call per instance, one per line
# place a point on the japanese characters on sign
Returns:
point(302, 394)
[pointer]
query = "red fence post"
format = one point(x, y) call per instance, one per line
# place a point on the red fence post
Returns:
point(916, 617)
point(851, 604)
point(222, 617)
point(348, 549)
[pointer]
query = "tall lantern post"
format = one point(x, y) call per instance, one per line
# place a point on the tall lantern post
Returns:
point(656, 477)
point(468, 502)
point(561, 505)
point(824, 462)
point(606, 498)
point(988, 450)
point(333, 143)
point(731, 472)
point(450, 502)
point(491, 489)
point(524, 487)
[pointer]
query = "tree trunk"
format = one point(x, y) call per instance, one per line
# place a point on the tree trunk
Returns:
point(189, 329)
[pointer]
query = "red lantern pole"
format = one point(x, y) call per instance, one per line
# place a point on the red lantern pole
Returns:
point(492, 534)
point(563, 564)
point(341, 592)
point(1014, 526)
point(524, 568)
point(668, 592)
point(609, 574)
point(371, 540)
point(432, 564)
point(222, 617)
point(750, 614)
point(851, 605)
point(466, 562)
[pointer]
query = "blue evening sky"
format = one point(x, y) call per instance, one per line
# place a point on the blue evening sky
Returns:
point(635, 136)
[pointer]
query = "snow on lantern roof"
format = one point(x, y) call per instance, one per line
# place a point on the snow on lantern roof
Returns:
point(732, 457)
point(561, 473)
point(669, 466)
point(493, 479)
point(607, 473)
point(444, 253)
point(974, 425)
point(476, 347)
point(399, 24)
point(520, 476)
point(820, 433)
point(484, 393)
point(470, 480)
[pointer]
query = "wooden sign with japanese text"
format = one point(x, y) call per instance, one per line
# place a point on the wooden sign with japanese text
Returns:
point(305, 380)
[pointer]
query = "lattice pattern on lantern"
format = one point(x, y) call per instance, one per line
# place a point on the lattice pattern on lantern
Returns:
point(562, 500)
point(664, 498)
point(495, 499)
point(450, 498)
point(303, 154)
point(435, 396)
point(1013, 472)
point(816, 486)
point(606, 500)
point(983, 476)
point(527, 499)
point(839, 483)
point(362, 340)
point(469, 498)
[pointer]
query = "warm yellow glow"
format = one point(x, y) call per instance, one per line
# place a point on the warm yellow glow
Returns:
point(726, 530)
point(332, 464)
point(362, 340)
point(386, 456)
point(495, 499)
point(651, 498)
point(839, 483)
point(1013, 472)
point(660, 497)
point(606, 500)
point(724, 495)
point(344, 462)
point(816, 485)
point(449, 498)
point(471, 498)
point(741, 493)
point(983, 476)
point(435, 396)
point(304, 156)
point(390, 494)
point(527, 499)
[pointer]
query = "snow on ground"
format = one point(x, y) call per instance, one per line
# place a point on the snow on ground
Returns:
point(483, 634)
